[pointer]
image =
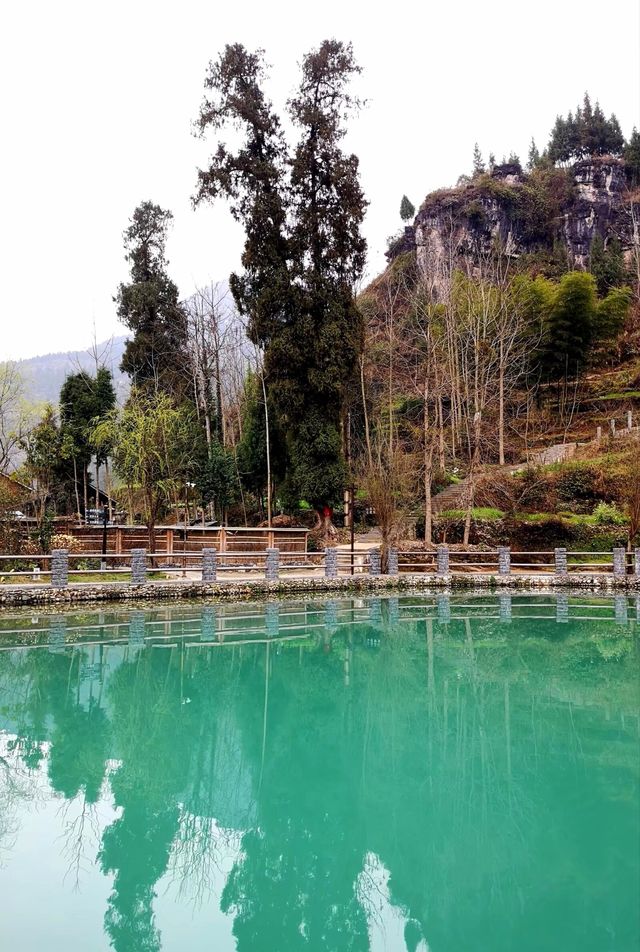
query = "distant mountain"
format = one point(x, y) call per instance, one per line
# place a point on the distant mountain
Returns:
point(44, 375)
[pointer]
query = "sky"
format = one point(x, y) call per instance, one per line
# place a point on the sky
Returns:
point(99, 99)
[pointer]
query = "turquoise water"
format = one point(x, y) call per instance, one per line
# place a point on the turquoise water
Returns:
point(387, 774)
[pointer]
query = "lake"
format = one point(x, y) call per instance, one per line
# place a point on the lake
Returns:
point(399, 773)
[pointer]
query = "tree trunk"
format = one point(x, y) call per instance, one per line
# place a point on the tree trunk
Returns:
point(501, 408)
point(75, 485)
point(428, 511)
point(266, 425)
point(85, 483)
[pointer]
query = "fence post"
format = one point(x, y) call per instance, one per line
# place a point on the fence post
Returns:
point(442, 560)
point(504, 560)
point(272, 617)
point(562, 609)
point(374, 562)
point(375, 611)
point(331, 616)
point(561, 561)
point(209, 565)
point(331, 562)
point(619, 562)
point(621, 610)
point(59, 568)
point(272, 567)
point(392, 562)
point(629, 419)
point(612, 427)
point(138, 566)
point(505, 608)
point(444, 609)
point(598, 434)
point(393, 605)
point(636, 562)
point(136, 630)
point(209, 625)
point(57, 633)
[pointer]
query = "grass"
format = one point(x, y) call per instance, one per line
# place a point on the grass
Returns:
point(482, 512)
point(9, 578)
point(620, 395)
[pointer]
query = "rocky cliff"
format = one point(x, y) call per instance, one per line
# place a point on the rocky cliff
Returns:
point(552, 211)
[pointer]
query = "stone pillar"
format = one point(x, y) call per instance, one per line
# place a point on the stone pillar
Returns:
point(636, 562)
point(374, 562)
point(59, 568)
point(272, 567)
point(444, 609)
point(209, 565)
point(629, 419)
point(504, 560)
point(331, 562)
point(208, 628)
point(561, 561)
point(136, 630)
point(331, 616)
point(612, 427)
point(375, 611)
point(442, 560)
point(505, 608)
point(392, 562)
point(619, 562)
point(621, 610)
point(138, 566)
point(57, 634)
point(598, 434)
point(562, 609)
point(272, 617)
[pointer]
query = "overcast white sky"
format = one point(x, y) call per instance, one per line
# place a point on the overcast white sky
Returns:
point(98, 101)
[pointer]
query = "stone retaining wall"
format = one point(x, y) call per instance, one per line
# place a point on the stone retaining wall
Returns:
point(236, 591)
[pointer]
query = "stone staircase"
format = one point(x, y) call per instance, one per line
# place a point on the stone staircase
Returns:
point(450, 498)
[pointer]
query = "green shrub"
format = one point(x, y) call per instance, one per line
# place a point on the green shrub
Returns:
point(608, 514)
point(577, 483)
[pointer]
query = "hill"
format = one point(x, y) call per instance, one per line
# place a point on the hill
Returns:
point(44, 375)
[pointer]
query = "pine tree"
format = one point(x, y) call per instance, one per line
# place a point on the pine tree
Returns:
point(478, 164)
point(155, 357)
point(533, 159)
point(614, 140)
point(302, 211)
point(631, 155)
point(407, 209)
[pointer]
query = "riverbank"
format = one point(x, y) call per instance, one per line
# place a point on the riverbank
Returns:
point(13, 596)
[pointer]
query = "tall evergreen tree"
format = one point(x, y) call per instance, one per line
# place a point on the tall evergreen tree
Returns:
point(407, 209)
point(302, 210)
point(155, 357)
point(478, 162)
point(533, 159)
point(632, 157)
point(84, 401)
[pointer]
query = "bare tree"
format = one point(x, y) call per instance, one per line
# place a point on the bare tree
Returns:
point(16, 417)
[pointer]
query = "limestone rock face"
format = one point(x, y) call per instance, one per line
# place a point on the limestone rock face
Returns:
point(456, 227)
point(598, 207)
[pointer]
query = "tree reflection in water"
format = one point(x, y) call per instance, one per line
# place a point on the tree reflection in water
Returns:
point(476, 778)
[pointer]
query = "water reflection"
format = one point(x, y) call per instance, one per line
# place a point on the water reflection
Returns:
point(444, 773)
